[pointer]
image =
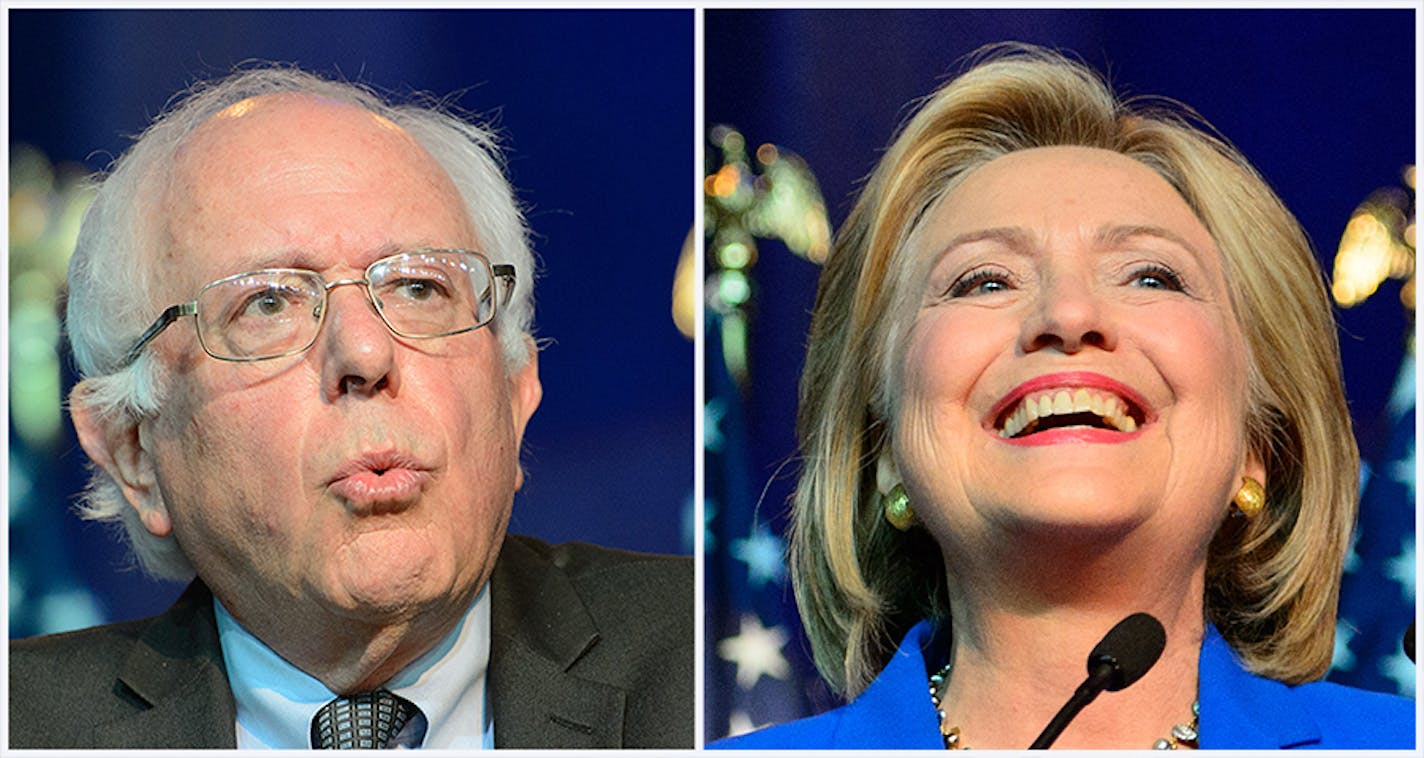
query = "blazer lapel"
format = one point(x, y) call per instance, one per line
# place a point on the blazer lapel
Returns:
point(176, 679)
point(1243, 711)
point(883, 716)
point(540, 630)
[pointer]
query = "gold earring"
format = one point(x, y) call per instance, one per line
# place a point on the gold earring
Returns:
point(1250, 500)
point(898, 510)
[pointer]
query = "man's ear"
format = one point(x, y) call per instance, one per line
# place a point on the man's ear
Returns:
point(525, 392)
point(115, 443)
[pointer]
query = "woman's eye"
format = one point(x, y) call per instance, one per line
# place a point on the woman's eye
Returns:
point(1157, 277)
point(982, 282)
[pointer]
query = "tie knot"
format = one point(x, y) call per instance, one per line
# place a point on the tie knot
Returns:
point(367, 720)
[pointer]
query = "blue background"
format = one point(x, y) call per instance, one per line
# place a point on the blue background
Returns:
point(596, 108)
point(1321, 102)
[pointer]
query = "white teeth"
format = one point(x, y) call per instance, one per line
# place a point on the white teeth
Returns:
point(1107, 406)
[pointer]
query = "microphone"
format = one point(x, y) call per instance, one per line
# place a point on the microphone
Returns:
point(1408, 642)
point(1125, 653)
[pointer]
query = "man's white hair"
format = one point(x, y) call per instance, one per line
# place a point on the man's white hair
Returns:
point(111, 301)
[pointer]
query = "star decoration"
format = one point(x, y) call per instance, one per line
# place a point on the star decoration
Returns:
point(1352, 558)
point(740, 722)
point(1343, 659)
point(1402, 670)
point(1405, 472)
point(1404, 396)
point(764, 556)
point(1402, 567)
point(712, 416)
point(756, 651)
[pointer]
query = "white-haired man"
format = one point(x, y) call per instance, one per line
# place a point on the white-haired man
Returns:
point(324, 428)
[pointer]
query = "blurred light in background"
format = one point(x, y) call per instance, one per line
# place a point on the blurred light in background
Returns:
point(1378, 244)
point(684, 288)
point(46, 204)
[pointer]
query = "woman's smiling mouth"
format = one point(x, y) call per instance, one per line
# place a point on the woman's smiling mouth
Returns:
point(1089, 407)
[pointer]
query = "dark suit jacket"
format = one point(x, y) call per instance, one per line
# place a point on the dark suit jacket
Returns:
point(590, 647)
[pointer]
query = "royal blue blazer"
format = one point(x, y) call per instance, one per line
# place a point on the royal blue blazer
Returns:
point(1239, 710)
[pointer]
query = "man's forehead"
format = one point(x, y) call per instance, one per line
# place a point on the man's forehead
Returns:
point(290, 110)
point(298, 180)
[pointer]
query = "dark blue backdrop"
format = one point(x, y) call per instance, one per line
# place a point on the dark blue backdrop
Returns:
point(1322, 102)
point(597, 109)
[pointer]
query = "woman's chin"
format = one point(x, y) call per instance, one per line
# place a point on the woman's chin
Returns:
point(1067, 515)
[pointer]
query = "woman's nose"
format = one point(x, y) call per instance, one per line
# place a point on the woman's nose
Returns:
point(1069, 315)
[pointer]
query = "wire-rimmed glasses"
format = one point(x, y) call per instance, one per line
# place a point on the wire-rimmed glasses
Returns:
point(276, 312)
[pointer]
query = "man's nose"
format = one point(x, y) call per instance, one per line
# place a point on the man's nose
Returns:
point(359, 350)
point(1069, 315)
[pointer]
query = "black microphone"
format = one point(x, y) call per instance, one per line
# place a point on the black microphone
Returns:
point(1408, 642)
point(1126, 652)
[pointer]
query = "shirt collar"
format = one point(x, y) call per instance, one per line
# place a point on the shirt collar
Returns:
point(276, 700)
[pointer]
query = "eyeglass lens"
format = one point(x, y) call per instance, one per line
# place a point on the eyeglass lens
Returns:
point(279, 311)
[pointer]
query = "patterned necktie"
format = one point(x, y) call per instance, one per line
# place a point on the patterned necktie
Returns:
point(367, 720)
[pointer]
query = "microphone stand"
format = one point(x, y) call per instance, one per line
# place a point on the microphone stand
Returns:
point(1087, 692)
point(1125, 653)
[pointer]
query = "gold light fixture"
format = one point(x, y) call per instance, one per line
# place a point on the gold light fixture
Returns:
point(774, 196)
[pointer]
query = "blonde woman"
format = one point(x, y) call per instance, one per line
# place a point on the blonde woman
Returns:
point(1071, 359)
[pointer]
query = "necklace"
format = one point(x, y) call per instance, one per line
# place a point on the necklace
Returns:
point(1181, 735)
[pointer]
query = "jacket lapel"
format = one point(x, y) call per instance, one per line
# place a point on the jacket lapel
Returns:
point(177, 682)
point(867, 721)
point(1243, 711)
point(540, 630)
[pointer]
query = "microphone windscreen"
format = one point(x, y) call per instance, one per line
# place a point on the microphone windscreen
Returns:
point(1131, 648)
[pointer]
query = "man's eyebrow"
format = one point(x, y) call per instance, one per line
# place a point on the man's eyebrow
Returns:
point(304, 259)
point(294, 258)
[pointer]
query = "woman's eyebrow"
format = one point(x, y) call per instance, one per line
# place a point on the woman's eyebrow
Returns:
point(1022, 240)
point(1014, 237)
point(1109, 236)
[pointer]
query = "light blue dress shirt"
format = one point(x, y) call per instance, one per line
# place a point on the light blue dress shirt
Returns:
point(276, 700)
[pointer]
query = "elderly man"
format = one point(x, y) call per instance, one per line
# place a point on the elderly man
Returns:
point(325, 429)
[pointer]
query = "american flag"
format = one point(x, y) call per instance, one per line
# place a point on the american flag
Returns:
point(755, 672)
point(1381, 570)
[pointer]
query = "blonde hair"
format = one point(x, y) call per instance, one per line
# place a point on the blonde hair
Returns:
point(1272, 581)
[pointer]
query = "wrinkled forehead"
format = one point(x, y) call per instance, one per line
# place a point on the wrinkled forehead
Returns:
point(297, 173)
point(273, 140)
